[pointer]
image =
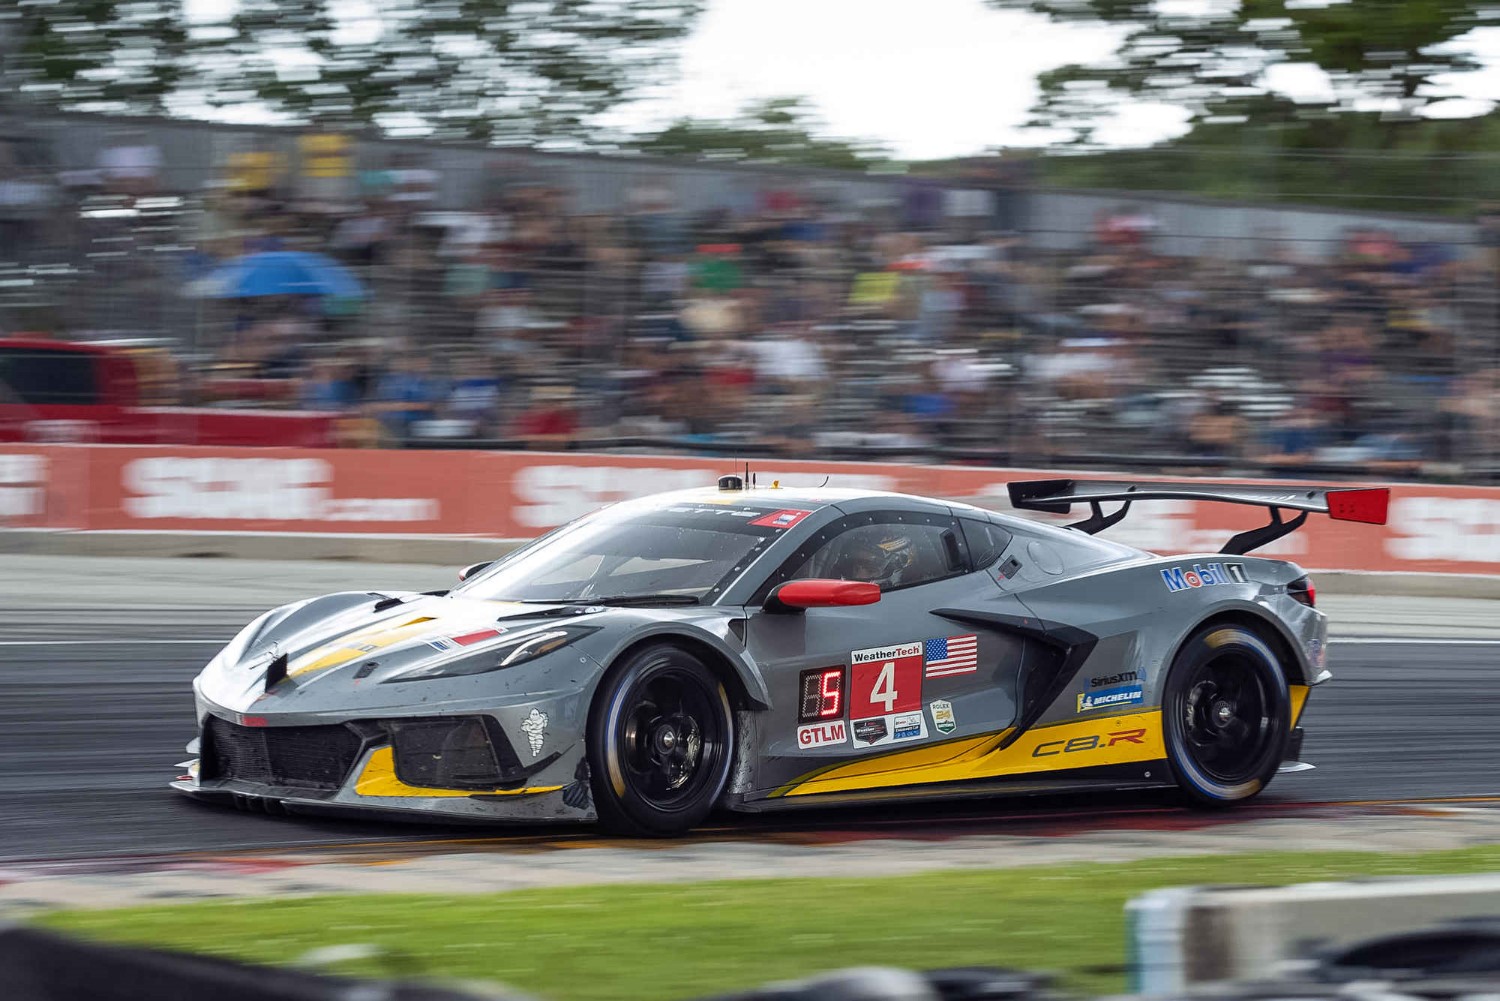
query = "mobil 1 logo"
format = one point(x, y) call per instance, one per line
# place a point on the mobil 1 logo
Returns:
point(1203, 575)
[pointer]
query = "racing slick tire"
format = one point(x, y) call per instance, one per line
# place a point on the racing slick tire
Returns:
point(660, 743)
point(1226, 716)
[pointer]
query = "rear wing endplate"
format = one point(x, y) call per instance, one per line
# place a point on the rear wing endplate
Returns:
point(1362, 504)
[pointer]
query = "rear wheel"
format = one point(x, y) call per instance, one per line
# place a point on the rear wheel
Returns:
point(1226, 714)
point(660, 743)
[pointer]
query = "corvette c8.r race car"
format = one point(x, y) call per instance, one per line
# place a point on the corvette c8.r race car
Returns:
point(764, 649)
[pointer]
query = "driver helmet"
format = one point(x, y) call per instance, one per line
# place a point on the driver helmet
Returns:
point(878, 558)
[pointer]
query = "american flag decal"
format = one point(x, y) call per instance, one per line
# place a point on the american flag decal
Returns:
point(953, 655)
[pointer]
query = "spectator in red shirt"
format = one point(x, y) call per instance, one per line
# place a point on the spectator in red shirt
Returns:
point(550, 417)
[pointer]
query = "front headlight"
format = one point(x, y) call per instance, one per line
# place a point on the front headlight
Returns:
point(507, 654)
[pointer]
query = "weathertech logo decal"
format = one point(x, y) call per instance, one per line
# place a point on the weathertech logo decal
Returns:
point(1204, 575)
point(875, 655)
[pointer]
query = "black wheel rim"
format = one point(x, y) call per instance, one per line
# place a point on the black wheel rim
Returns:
point(672, 737)
point(1226, 712)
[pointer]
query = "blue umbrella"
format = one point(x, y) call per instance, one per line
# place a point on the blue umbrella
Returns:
point(282, 272)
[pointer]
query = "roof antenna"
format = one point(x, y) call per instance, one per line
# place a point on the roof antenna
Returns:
point(732, 482)
point(826, 478)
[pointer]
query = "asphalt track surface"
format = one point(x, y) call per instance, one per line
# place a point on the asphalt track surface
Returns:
point(93, 717)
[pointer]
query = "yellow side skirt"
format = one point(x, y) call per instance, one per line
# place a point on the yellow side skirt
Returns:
point(1084, 743)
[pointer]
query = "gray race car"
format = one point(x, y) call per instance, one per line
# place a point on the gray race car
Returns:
point(762, 649)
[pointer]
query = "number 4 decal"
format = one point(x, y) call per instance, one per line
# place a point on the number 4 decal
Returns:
point(885, 686)
point(885, 680)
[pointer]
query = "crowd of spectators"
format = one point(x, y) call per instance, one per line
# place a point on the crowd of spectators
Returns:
point(791, 322)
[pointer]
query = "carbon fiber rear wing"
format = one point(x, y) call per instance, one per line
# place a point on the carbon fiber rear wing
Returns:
point(1361, 504)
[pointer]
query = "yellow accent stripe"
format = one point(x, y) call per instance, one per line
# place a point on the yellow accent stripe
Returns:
point(1110, 740)
point(382, 634)
point(926, 756)
point(1299, 699)
point(379, 779)
point(347, 648)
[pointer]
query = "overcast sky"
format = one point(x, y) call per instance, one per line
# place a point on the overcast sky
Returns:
point(928, 78)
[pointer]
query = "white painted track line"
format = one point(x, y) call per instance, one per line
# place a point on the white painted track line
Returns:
point(113, 642)
point(1409, 641)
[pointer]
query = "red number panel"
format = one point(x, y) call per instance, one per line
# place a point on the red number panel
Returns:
point(885, 680)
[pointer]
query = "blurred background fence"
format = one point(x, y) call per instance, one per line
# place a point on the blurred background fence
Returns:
point(466, 295)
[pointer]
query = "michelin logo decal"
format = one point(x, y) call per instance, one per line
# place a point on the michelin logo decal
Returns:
point(534, 727)
point(1111, 698)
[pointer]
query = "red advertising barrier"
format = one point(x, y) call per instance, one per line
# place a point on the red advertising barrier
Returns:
point(520, 494)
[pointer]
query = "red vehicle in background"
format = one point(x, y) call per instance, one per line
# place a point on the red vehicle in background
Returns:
point(124, 393)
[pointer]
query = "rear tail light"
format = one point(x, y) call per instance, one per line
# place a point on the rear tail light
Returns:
point(1302, 590)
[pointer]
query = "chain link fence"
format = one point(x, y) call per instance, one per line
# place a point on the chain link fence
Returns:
point(535, 300)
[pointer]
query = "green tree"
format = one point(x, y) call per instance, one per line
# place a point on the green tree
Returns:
point(1354, 160)
point(778, 130)
point(505, 71)
point(1210, 58)
point(92, 55)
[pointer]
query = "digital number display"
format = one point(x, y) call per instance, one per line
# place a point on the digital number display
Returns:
point(822, 694)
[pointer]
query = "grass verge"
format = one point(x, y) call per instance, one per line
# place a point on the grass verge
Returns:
point(659, 942)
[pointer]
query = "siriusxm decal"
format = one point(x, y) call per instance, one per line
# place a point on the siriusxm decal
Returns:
point(1111, 680)
point(1203, 575)
point(1109, 698)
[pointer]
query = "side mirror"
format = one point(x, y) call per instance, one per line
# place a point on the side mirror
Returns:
point(472, 569)
point(796, 595)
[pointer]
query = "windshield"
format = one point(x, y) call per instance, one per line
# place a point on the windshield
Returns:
point(691, 551)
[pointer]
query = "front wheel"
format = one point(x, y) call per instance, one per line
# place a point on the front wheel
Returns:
point(1226, 714)
point(660, 743)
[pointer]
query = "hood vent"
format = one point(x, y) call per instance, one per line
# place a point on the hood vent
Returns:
point(276, 671)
